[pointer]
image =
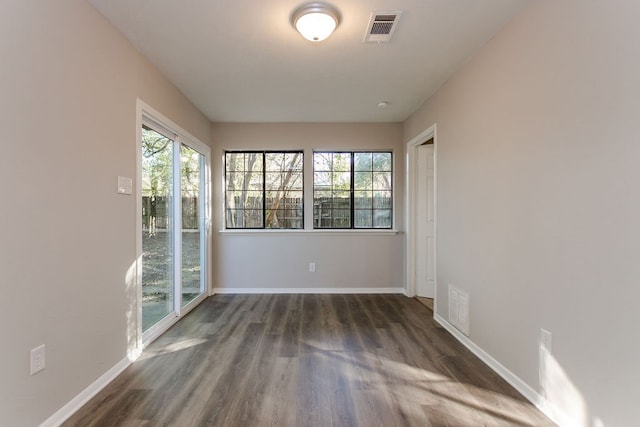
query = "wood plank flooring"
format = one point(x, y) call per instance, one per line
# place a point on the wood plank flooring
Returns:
point(308, 360)
point(428, 302)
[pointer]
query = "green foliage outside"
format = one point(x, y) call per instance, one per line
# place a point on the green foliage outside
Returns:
point(157, 169)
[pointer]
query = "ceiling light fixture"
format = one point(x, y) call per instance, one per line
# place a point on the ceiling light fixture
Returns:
point(315, 21)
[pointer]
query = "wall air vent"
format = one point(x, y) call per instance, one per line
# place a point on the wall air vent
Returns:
point(381, 27)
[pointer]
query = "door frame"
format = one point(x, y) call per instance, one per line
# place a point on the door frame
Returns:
point(411, 208)
point(135, 328)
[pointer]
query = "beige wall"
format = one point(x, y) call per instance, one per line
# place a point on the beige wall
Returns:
point(281, 260)
point(538, 205)
point(69, 83)
point(537, 200)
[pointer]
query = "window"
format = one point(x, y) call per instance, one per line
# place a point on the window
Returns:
point(264, 189)
point(352, 190)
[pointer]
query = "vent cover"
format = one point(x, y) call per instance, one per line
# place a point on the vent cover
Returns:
point(381, 26)
point(459, 309)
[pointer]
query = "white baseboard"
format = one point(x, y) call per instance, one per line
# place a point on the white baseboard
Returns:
point(308, 290)
point(529, 393)
point(524, 388)
point(77, 402)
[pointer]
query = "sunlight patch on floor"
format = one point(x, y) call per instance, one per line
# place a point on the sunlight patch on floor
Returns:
point(172, 347)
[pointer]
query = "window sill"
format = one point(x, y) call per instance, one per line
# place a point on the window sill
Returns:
point(309, 232)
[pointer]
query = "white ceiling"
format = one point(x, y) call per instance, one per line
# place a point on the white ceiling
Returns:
point(242, 61)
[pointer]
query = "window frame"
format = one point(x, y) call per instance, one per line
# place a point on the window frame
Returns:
point(352, 190)
point(264, 190)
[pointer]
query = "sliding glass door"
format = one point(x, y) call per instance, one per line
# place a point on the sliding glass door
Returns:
point(173, 199)
point(192, 177)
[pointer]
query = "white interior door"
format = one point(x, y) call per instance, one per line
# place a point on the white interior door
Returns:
point(425, 203)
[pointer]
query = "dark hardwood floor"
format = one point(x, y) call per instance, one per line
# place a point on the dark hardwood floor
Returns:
point(308, 360)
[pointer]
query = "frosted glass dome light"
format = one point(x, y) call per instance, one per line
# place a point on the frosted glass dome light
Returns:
point(315, 21)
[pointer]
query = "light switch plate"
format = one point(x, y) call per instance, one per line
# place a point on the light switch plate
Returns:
point(125, 185)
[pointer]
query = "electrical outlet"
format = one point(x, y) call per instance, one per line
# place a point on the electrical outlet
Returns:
point(37, 359)
point(545, 339)
point(312, 267)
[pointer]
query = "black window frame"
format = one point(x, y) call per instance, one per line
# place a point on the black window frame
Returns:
point(352, 191)
point(264, 209)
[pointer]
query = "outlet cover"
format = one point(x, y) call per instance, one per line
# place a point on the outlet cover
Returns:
point(37, 359)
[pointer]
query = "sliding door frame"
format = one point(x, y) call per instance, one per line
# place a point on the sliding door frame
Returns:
point(146, 114)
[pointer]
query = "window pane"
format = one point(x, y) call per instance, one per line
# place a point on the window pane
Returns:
point(382, 199)
point(193, 255)
point(363, 200)
point(253, 162)
point(382, 180)
point(284, 209)
point(363, 181)
point(234, 199)
point(296, 182)
point(322, 162)
point(295, 161)
point(235, 180)
point(274, 162)
point(362, 218)
point(342, 162)
point(274, 180)
point(382, 218)
point(234, 162)
point(253, 218)
point(252, 200)
point(157, 223)
point(341, 218)
point(363, 161)
point(235, 218)
point(253, 181)
point(322, 195)
point(382, 162)
point(343, 197)
point(322, 180)
point(341, 180)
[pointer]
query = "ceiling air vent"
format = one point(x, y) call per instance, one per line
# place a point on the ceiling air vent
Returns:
point(381, 26)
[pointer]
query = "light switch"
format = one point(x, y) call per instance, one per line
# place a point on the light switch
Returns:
point(125, 185)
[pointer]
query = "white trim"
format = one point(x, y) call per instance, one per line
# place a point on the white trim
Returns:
point(505, 373)
point(137, 304)
point(516, 382)
point(85, 395)
point(398, 290)
point(176, 227)
point(410, 208)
